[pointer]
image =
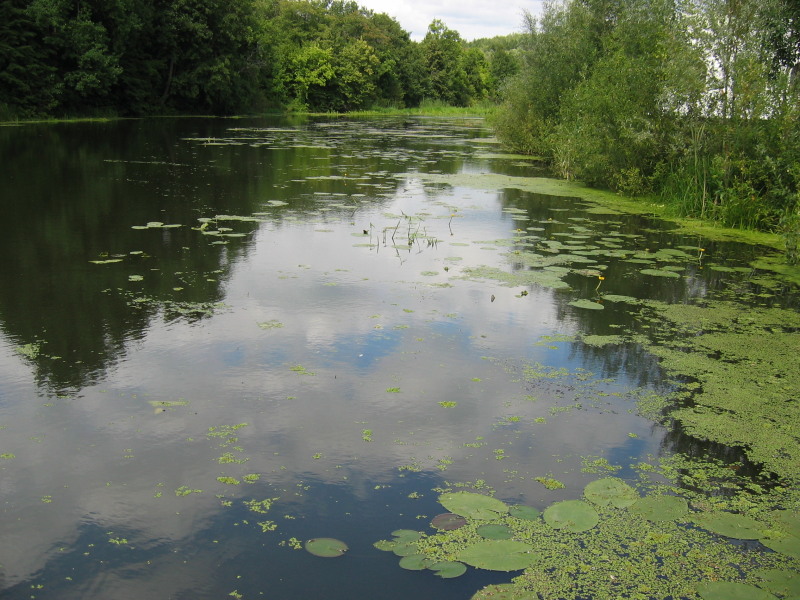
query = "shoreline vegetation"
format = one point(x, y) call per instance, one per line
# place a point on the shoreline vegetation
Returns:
point(694, 104)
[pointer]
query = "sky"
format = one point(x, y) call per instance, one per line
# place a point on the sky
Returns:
point(473, 19)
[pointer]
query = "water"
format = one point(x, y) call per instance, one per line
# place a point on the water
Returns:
point(310, 333)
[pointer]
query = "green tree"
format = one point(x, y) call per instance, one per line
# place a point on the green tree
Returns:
point(442, 49)
point(27, 82)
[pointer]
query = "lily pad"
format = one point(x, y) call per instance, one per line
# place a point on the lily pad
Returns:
point(414, 562)
point(385, 545)
point(498, 555)
point(727, 590)
point(448, 569)
point(659, 273)
point(326, 547)
point(495, 531)
point(619, 298)
point(610, 491)
point(661, 508)
point(730, 525)
point(403, 548)
point(571, 515)
point(406, 535)
point(781, 582)
point(473, 506)
point(788, 545)
point(448, 522)
point(587, 304)
point(524, 512)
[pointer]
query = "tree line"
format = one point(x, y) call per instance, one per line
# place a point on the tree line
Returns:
point(141, 57)
point(696, 102)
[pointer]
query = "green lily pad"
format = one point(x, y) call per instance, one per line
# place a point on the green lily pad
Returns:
point(494, 531)
point(498, 555)
point(524, 512)
point(727, 590)
point(730, 525)
point(414, 562)
point(406, 535)
point(402, 548)
point(473, 506)
point(326, 547)
point(448, 522)
point(448, 569)
point(610, 491)
point(788, 545)
point(661, 508)
point(385, 545)
point(789, 520)
point(619, 298)
point(659, 273)
point(571, 515)
point(785, 583)
point(588, 304)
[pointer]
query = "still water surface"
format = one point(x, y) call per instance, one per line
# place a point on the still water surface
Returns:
point(196, 314)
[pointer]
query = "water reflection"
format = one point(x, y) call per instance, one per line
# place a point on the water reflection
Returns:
point(310, 333)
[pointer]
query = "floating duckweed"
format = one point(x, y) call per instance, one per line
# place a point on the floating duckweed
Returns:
point(602, 340)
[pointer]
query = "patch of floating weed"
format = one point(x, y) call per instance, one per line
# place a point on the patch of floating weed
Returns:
point(602, 340)
point(547, 279)
point(272, 324)
point(186, 490)
point(659, 273)
point(550, 483)
point(448, 404)
point(601, 551)
point(746, 361)
point(30, 351)
point(586, 304)
point(301, 370)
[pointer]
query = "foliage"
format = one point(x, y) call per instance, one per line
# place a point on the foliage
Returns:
point(693, 101)
point(130, 57)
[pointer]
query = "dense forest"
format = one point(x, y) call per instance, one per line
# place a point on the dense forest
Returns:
point(141, 57)
point(696, 102)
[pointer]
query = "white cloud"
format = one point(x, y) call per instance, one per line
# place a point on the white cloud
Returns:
point(471, 18)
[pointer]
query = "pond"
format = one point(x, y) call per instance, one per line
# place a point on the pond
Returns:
point(221, 338)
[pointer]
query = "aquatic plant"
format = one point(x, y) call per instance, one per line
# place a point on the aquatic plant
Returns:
point(326, 547)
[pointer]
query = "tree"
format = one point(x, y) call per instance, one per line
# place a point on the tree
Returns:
point(442, 50)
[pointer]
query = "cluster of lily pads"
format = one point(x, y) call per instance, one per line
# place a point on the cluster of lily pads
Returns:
point(500, 537)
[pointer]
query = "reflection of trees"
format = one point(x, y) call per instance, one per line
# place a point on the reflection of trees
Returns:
point(73, 192)
point(71, 201)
